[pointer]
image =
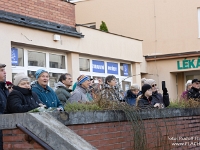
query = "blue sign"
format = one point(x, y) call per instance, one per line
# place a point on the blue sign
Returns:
point(112, 68)
point(98, 66)
point(14, 56)
point(125, 69)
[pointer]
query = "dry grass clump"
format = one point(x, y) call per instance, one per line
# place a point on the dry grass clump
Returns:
point(191, 103)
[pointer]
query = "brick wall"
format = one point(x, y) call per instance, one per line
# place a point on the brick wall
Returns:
point(16, 139)
point(50, 10)
point(159, 133)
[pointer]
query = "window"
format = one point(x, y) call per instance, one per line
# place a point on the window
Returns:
point(84, 64)
point(57, 61)
point(125, 69)
point(36, 59)
point(17, 56)
point(29, 61)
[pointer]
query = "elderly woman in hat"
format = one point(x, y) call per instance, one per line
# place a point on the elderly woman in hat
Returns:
point(22, 99)
point(163, 99)
point(132, 94)
point(81, 91)
point(44, 92)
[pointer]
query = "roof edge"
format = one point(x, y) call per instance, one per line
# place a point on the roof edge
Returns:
point(109, 32)
point(172, 56)
point(40, 24)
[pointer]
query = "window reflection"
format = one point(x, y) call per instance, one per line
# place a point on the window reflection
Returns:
point(57, 61)
point(84, 64)
point(125, 69)
point(54, 77)
point(36, 59)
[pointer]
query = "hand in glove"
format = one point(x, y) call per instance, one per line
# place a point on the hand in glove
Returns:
point(165, 91)
point(157, 105)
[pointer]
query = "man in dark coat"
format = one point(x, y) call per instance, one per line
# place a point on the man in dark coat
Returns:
point(194, 92)
point(3, 96)
point(62, 88)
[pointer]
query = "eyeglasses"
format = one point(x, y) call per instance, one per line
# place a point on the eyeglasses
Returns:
point(154, 85)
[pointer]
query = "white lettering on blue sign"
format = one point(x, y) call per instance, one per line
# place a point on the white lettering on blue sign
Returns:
point(112, 68)
point(101, 67)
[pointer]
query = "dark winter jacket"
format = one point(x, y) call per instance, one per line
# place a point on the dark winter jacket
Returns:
point(47, 95)
point(22, 100)
point(159, 98)
point(194, 93)
point(62, 92)
point(130, 98)
point(143, 102)
point(3, 97)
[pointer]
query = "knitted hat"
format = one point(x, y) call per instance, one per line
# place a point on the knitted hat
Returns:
point(8, 83)
point(145, 87)
point(81, 79)
point(135, 87)
point(195, 80)
point(39, 72)
point(148, 81)
point(19, 77)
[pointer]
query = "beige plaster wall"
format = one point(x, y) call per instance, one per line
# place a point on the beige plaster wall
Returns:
point(167, 70)
point(95, 43)
point(166, 26)
point(108, 45)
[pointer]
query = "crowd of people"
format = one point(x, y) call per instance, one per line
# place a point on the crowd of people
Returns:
point(192, 90)
point(22, 96)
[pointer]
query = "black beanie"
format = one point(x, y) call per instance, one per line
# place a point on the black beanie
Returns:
point(145, 87)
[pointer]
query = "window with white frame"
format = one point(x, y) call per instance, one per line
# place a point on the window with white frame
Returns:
point(101, 68)
point(28, 61)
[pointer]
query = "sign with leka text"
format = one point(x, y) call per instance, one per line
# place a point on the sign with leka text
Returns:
point(188, 64)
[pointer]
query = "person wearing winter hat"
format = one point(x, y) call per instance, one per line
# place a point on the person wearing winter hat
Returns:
point(145, 100)
point(44, 92)
point(81, 90)
point(156, 96)
point(22, 99)
point(9, 86)
point(188, 86)
point(132, 94)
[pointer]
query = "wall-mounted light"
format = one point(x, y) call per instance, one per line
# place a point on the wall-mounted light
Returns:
point(56, 37)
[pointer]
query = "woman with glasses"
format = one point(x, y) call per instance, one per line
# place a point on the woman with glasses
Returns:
point(163, 99)
point(109, 91)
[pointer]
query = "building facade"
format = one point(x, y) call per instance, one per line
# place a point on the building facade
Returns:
point(39, 34)
point(165, 26)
